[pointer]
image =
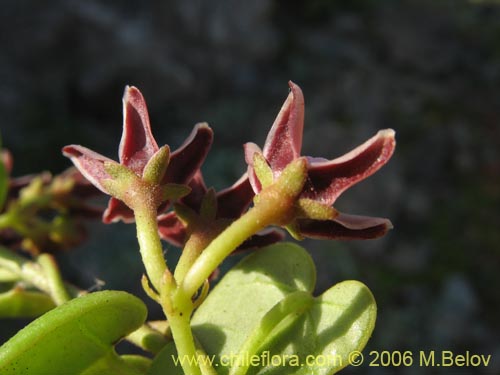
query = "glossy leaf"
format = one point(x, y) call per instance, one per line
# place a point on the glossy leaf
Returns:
point(76, 337)
point(264, 304)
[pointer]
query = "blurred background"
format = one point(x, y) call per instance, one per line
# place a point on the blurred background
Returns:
point(429, 69)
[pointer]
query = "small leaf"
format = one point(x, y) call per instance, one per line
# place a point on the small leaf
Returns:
point(76, 337)
point(20, 303)
point(321, 341)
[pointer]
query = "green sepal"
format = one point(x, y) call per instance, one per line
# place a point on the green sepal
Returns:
point(76, 337)
point(262, 170)
point(292, 179)
point(172, 192)
point(293, 229)
point(311, 209)
point(122, 178)
point(157, 166)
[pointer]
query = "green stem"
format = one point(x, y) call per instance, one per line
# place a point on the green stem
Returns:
point(177, 306)
point(179, 318)
point(57, 289)
point(148, 339)
point(150, 246)
point(234, 235)
point(275, 204)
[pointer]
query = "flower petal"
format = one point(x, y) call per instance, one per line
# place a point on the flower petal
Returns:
point(137, 145)
point(171, 229)
point(234, 200)
point(261, 239)
point(250, 150)
point(345, 227)
point(198, 190)
point(284, 140)
point(116, 211)
point(187, 159)
point(7, 160)
point(328, 179)
point(89, 163)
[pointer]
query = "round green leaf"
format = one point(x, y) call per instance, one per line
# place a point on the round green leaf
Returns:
point(325, 338)
point(76, 337)
point(317, 338)
point(237, 304)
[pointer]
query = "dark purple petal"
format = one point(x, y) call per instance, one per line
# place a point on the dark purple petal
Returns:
point(82, 187)
point(234, 200)
point(284, 140)
point(89, 163)
point(250, 149)
point(137, 145)
point(328, 179)
point(171, 229)
point(187, 159)
point(345, 227)
point(198, 190)
point(7, 160)
point(263, 238)
point(116, 211)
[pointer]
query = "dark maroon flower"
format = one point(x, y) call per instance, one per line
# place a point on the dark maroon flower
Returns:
point(326, 179)
point(230, 204)
point(137, 150)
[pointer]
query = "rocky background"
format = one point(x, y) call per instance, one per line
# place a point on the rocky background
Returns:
point(429, 69)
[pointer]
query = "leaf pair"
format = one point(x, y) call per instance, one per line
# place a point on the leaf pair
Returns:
point(262, 319)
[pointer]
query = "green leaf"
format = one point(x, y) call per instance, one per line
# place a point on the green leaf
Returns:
point(327, 337)
point(76, 337)
point(237, 304)
point(19, 303)
point(138, 361)
point(263, 309)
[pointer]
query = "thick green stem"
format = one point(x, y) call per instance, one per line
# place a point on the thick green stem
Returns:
point(57, 288)
point(247, 225)
point(179, 318)
point(177, 306)
point(150, 246)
